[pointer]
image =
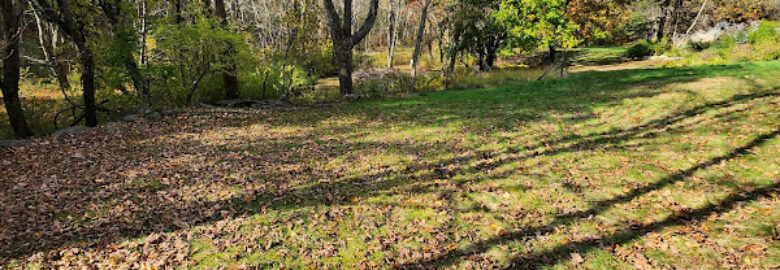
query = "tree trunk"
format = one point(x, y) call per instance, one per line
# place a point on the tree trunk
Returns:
point(661, 24)
point(48, 42)
point(418, 43)
point(88, 85)
point(229, 76)
point(565, 64)
point(75, 29)
point(344, 40)
point(142, 32)
point(344, 59)
point(551, 54)
point(391, 35)
point(490, 58)
point(675, 19)
point(696, 19)
point(179, 7)
point(454, 48)
point(11, 29)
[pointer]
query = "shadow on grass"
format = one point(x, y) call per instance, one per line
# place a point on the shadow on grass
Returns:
point(601, 206)
point(159, 212)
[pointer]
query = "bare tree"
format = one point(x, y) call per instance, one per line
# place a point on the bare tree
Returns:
point(60, 12)
point(418, 43)
point(48, 38)
point(11, 29)
point(344, 40)
point(392, 30)
point(696, 19)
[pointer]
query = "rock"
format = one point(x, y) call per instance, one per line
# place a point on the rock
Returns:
point(237, 103)
point(145, 111)
point(130, 118)
point(169, 112)
point(208, 106)
point(71, 131)
point(111, 126)
point(352, 97)
point(663, 58)
point(155, 116)
point(14, 143)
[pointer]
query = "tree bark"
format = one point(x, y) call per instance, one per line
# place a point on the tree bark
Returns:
point(551, 54)
point(12, 16)
point(344, 40)
point(661, 24)
point(675, 19)
point(88, 85)
point(229, 76)
point(391, 33)
point(344, 59)
point(179, 7)
point(418, 43)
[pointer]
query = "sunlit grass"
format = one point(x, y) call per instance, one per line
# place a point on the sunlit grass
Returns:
point(620, 168)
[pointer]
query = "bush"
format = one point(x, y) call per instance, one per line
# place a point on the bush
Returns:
point(645, 48)
point(640, 50)
point(272, 81)
point(382, 87)
point(190, 58)
point(319, 63)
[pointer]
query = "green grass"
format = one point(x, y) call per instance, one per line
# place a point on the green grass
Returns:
point(599, 55)
point(666, 167)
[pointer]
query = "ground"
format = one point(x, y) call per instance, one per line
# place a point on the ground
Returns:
point(635, 168)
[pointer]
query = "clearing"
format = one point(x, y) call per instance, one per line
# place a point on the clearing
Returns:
point(641, 168)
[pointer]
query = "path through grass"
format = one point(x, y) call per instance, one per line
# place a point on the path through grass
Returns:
point(620, 169)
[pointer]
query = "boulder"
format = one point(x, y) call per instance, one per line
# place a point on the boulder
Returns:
point(237, 103)
point(145, 111)
point(111, 126)
point(663, 58)
point(130, 118)
point(352, 97)
point(13, 143)
point(169, 112)
point(71, 131)
point(155, 116)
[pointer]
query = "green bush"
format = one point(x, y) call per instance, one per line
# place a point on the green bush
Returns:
point(272, 81)
point(319, 63)
point(190, 58)
point(644, 48)
point(639, 50)
point(382, 87)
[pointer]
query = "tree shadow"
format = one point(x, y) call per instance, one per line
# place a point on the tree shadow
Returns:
point(601, 206)
point(139, 209)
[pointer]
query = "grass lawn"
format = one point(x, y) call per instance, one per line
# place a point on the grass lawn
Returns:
point(643, 168)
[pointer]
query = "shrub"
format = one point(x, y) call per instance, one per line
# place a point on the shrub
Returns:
point(273, 81)
point(190, 58)
point(381, 87)
point(319, 62)
point(640, 50)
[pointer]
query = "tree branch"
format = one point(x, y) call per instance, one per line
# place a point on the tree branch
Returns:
point(333, 16)
point(367, 24)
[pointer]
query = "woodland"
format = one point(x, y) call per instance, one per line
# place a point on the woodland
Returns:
point(390, 134)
